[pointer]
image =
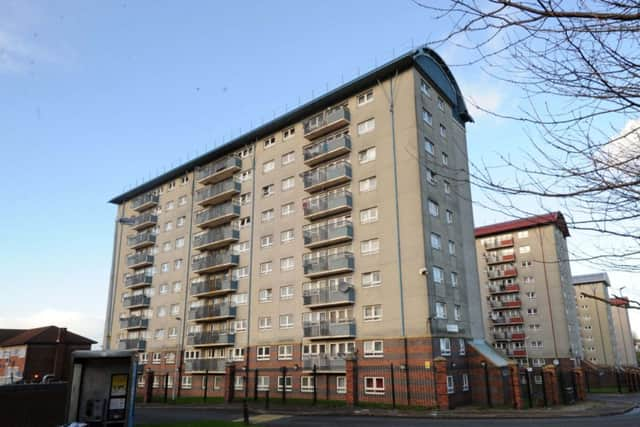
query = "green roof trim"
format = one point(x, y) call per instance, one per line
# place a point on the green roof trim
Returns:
point(427, 61)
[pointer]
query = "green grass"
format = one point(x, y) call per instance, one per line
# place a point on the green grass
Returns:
point(212, 423)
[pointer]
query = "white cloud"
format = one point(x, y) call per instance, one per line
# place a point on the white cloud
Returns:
point(481, 99)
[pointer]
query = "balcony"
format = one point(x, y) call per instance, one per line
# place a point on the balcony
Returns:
point(145, 201)
point(219, 170)
point(326, 204)
point(517, 352)
point(139, 260)
point(325, 122)
point(506, 320)
point(323, 234)
point(327, 330)
point(132, 344)
point(504, 289)
point(499, 259)
point(216, 238)
point(212, 312)
point(505, 305)
point(328, 264)
point(134, 322)
point(217, 193)
point(324, 363)
point(509, 336)
point(138, 280)
point(141, 222)
point(214, 262)
point(217, 215)
point(136, 301)
point(499, 243)
point(141, 240)
point(502, 274)
point(204, 365)
point(213, 286)
point(328, 295)
point(324, 177)
point(325, 150)
point(203, 339)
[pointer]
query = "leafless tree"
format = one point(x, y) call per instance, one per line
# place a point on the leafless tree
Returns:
point(578, 65)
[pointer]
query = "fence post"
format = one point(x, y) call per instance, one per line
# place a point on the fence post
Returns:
point(229, 381)
point(148, 386)
point(442, 394)
point(393, 388)
point(544, 389)
point(514, 372)
point(166, 387)
point(266, 400)
point(549, 373)
point(206, 385)
point(326, 380)
point(487, 386)
point(529, 386)
point(618, 383)
point(255, 384)
point(586, 380)
point(284, 384)
point(315, 385)
point(352, 380)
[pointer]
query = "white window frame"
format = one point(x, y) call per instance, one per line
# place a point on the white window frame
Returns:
point(371, 385)
point(373, 348)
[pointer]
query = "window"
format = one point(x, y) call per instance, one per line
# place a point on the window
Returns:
point(170, 205)
point(173, 332)
point(267, 215)
point(245, 199)
point(240, 272)
point(365, 98)
point(287, 158)
point(166, 246)
point(450, 385)
point(186, 382)
point(240, 325)
point(536, 344)
point(434, 209)
point(441, 310)
point(366, 126)
point(181, 221)
point(265, 295)
point(341, 385)
point(425, 88)
point(159, 334)
point(449, 217)
point(452, 247)
point(238, 383)
point(266, 241)
point(157, 358)
point(270, 142)
point(264, 322)
point(447, 187)
point(526, 264)
point(529, 279)
point(268, 190)
point(306, 384)
point(287, 264)
point(445, 346)
point(372, 312)
point(241, 247)
point(373, 385)
point(182, 200)
point(240, 298)
point(427, 117)
point(538, 362)
point(175, 309)
point(534, 327)
point(457, 312)
point(523, 234)
point(171, 359)
point(236, 353)
point(164, 288)
point(268, 166)
point(445, 159)
point(429, 147)
point(286, 292)
point(524, 249)
point(368, 216)
point(440, 104)
point(287, 209)
point(438, 275)
point(431, 177)
point(246, 175)
point(162, 310)
point(462, 346)
point(367, 155)
point(288, 183)
point(288, 133)
point(369, 247)
point(374, 348)
point(285, 382)
point(443, 131)
point(286, 321)
point(532, 311)
point(368, 184)
point(264, 353)
point(287, 236)
point(371, 278)
point(531, 295)
point(245, 222)
point(436, 241)
point(177, 264)
point(285, 352)
point(454, 279)
point(465, 382)
point(266, 267)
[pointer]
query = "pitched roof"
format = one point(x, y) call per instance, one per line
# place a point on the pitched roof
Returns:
point(520, 224)
point(43, 335)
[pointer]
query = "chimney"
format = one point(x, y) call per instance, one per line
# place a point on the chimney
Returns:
point(60, 352)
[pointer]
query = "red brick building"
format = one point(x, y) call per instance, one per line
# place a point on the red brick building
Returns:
point(29, 354)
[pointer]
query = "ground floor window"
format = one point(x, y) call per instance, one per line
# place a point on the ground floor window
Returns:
point(373, 385)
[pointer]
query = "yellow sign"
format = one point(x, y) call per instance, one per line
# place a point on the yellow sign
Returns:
point(119, 384)
point(427, 364)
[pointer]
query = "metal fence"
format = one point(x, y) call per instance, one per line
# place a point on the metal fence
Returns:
point(396, 385)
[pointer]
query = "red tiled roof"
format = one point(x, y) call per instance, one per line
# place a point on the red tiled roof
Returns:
point(519, 224)
point(43, 335)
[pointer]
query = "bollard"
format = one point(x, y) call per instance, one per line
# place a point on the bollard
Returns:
point(393, 388)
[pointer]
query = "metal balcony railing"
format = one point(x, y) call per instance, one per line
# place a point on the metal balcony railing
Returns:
point(141, 240)
point(324, 363)
point(139, 260)
point(144, 221)
point(327, 204)
point(329, 295)
point(498, 259)
point(327, 176)
point(216, 311)
point(211, 338)
point(324, 150)
point(218, 170)
point(140, 279)
point(326, 233)
point(217, 215)
point(136, 301)
point(501, 289)
point(145, 201)
point(326, 122)
point(204, 365)
point(132, 344)
point(500, 274)
point(328, 264)
point(134, 322)
point(214, 285)
point(218, 192)
point(499, 243)
point(214, 262)
point(320, 330)
point(216, 237)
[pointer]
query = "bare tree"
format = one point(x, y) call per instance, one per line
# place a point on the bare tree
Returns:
point(578, 65)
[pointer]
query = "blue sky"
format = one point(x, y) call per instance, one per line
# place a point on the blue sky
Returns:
point(96, 97)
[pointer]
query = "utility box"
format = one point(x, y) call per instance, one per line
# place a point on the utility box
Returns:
point(103, 386)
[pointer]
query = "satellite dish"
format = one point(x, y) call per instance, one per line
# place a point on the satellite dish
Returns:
point(344, 286)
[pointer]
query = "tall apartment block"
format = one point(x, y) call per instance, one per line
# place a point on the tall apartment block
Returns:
point(340, 229)
point(527, 292)
point(597, 330)
point(624, 335)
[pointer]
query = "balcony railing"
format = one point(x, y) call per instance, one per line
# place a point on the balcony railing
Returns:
point(509, 336)
point(504, 289)
point(134, 322)
point(144, 221)
point(214, 286)
point(211, 339)
point(501, 274)
point(145, 201)
point(136, 301)
point(498, 259)
point(217, 215)
point(217, 193)
point(214, 262)
point(327, 149)
point(327, 204)
point(140, 279)
point(212, 312)
point(316, 235)
point(216, 238)
point(141, 240)
point(328, 264)
point(521, 352)
point(320, 330)
point(499, 243)
point(218, 170)
point(324, 363)
point(326, 122)
point(326, 176)
point(139, 260)
point(505, 305)
point(204, 365)
point(507, 320)
point(327, 295)
point(132, 344)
